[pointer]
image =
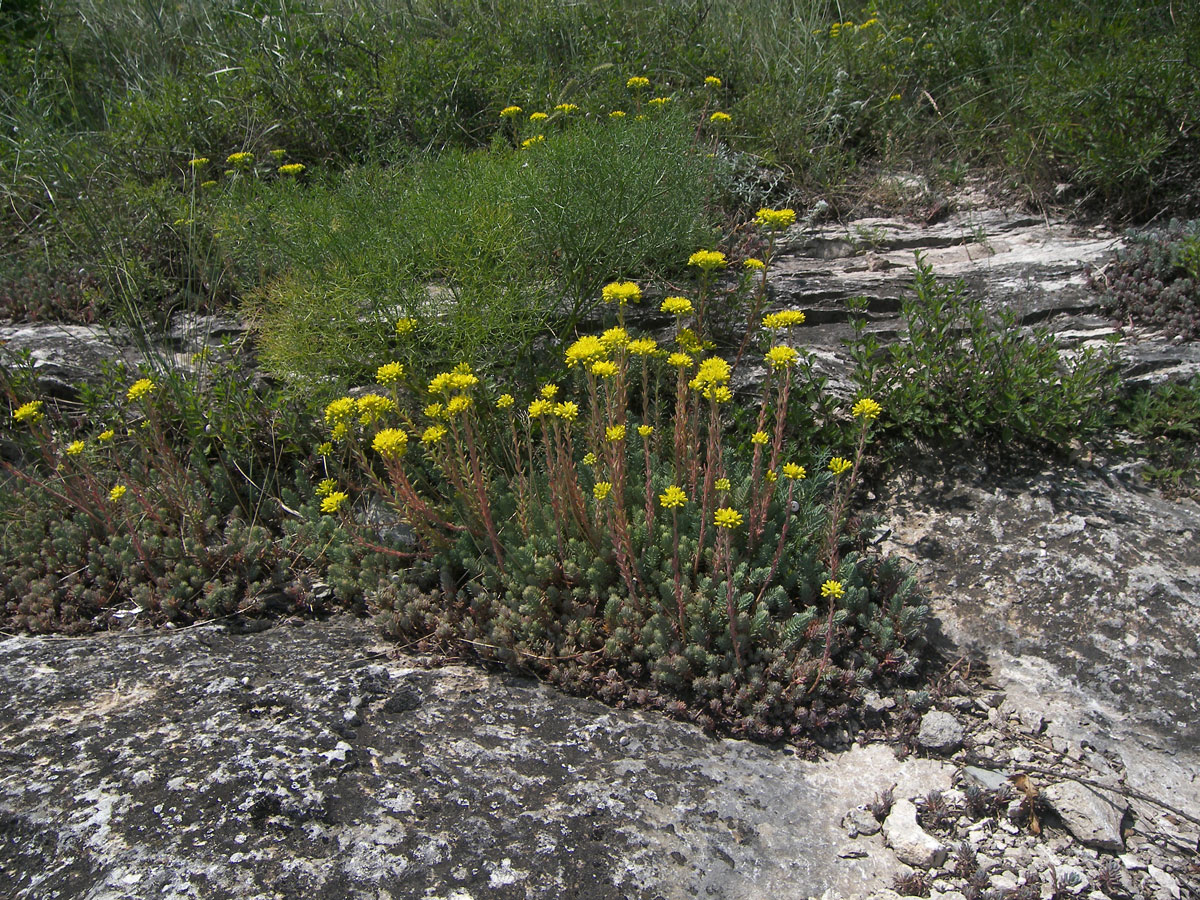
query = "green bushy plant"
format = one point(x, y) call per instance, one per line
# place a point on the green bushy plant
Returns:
point(1155, 279)
point(1166, 419)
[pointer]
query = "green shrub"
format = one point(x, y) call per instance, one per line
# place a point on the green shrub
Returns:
point(1165, 420)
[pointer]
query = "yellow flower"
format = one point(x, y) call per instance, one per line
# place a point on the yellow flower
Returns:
point(566, 108)
point(457, 404)
point(584, 350)
point(389, 373)
point(278, 154)
point(602, 368)
point(117, 493)
point(29, 413)
point(390, 443)
point(601, 490)
point(713, 373)
point(783, 319)
point(637, 83)
point(866, 408)
point(568, 411)
point(539, 408)
point(340, 431)
point(291, 169)
point(510, 112)
point(712, 81)
point(672, 498)
point(617, 114)
point(549, 392)
point(75, 448)
point(839, 464)
point(833, 589)
point(782, 357)
point(614, 338)
point(690, 341)
point(793, 472)
point(679, 361)
point(405, 326)
point(727, 518)
point(323, 449)
point(770, 475)
point(107, 435)
point(140, 389)
point(643, 346)
point(775, 219)
point(721, 394)
point(340, 411)
point(435, 411)
point(505, 401)
point(533, 141)
point(615, 432)
point(538, 117)
point(721, 484)
point(208, 184)
point(199, 162)
point(677, 306)
point(589, 459)
point(659, 102)
point(372, 407)
point(759, 437)
point(240, 160)
point(433, 434)
point(707, 260)
point(645, 430)
point(754, 263)
point(325, 487)
point(621, 292)
point(720, 118)
point(334, 502)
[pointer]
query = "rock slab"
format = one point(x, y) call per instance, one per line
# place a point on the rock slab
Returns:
point(1093, 817)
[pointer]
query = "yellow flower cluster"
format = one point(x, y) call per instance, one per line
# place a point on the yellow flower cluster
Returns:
point(637, 83)
point(325, 487)
point(549, 391)
point(389, 373)
point(643, 347)
point(538, 117)
point(770, 476)
point(140, 389)
point(117, 493)
point(793, 472)
point(75, 448)
point(505, 401)
point(759, 437)
point(617, 114)
point(839, 465)
point(775, 219)
point(372, 408)
point(782, 357)
point(291, 169)
point(589, 459)
point(754, 263)
point(405, 327)
point(105, 436)
point(199, 162)
point(615, 432)
point(621, 292)
point(603, 368)
point(435, 411)
point(460, 378)
point(530, 142)
point(459, 403)
point(334, 502)
point(707, 260)
point(721, 484)
point(712, 81)
point(866, 408)
point(29, 413)
point(614, 338)
point(585, 350)
point(510, 112)
point(567, 411)
point(659, 102)
point(539, 408)
point(433, 434)
point(240, 159)
point(833, 589)
point(720, 118)
point(566, 108)
point(679, 361)
point(727, 518)
point(340, 411)
point(783, 319)
point(677, 306)
point(713, 374)
point(602, 490)
point(390, 443)
point(645, 430)
point(672, 498)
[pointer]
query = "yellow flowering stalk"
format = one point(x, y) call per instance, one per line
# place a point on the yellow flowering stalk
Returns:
point(727, 519)
point(720, 118)
point(707, 260)
point(567, 411)
point(783, 319)
point(291, 169)
point(839, 465)
point(106, 435)
point(603, 368)
point(566, 108)
point(538, 117)
point(278, 154)
point(617, 114)
point(775, 219)
point(866, 408)
point(75, 448)
point(614, 433)
point(333, 502)
point(433, 435)
point(139, 389)
point(117, 493)
point(510, 112)
point(389, 373)
point(754, 264)
point(585, 350)
point(677, 306)
point(29, 413)
point(643, 347)
point(712, 81)
point(759, 437)
point(325, 487)
point(390, 443)
point(621, 292)
point(659, 102)
point(637, 83)
point(405, 326)
point(533, 141)
point(505, 401)
point(372, 407)
point(240, 160)
point(614, 339)
point(198, 163)
point(602, 490)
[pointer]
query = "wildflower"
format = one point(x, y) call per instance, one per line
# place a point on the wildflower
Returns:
point(833, 589)
point(894, 98)
point(566, 108)
point(372, 407)
point(458, 404)
point(643, 346)
point(278, 154)
point(783, 319)
point(29, 413)
point(672, 498)
point(621, 292)
point(589, 459)
point(106, 435)
point(240, 160)
point(712, 81)
point(505, 401)
point(793, 472)
point(117, 492)
point(866, 408)
point(637, 83)
point(720, 118)
point(617, 114)
point(614, 338)
point(340, 411)
point(340, 431)
point(679, 361)
point(390, 443)
point(714, 372)
point(707, 260)
point(690, 341)
point(549, 392)
point(435, 411)
point(721, 484)
point(198, 163)
point(775, 219)
point(140, 389)
point(566, 411)
point(510, 112)
point(538, 117)
point(584, 350)
point(602, 368)
point(405, 326)
point(615, 432)
point(75, 448)
point(659, 102)
point(539, 408)
point(325, 487)
point(389, 373)
point(721, 394)
point(205, 185)
point(754, 263)
point(727, 518)
point(839, 464)
point(601, 490)
point(759, 437)
point(433, 434)
point(645, 430)
point(530, 142)
point(782, 357)
point(291, 169)
point(677, 306)
point(334, 502)
point(770, 475)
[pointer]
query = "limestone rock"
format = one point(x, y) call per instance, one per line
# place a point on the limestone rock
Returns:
point(910, 842)
point(940, 732)
point(1093, 817)
point(860, 821)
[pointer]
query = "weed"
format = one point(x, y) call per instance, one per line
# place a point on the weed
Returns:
point(1155, 280)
